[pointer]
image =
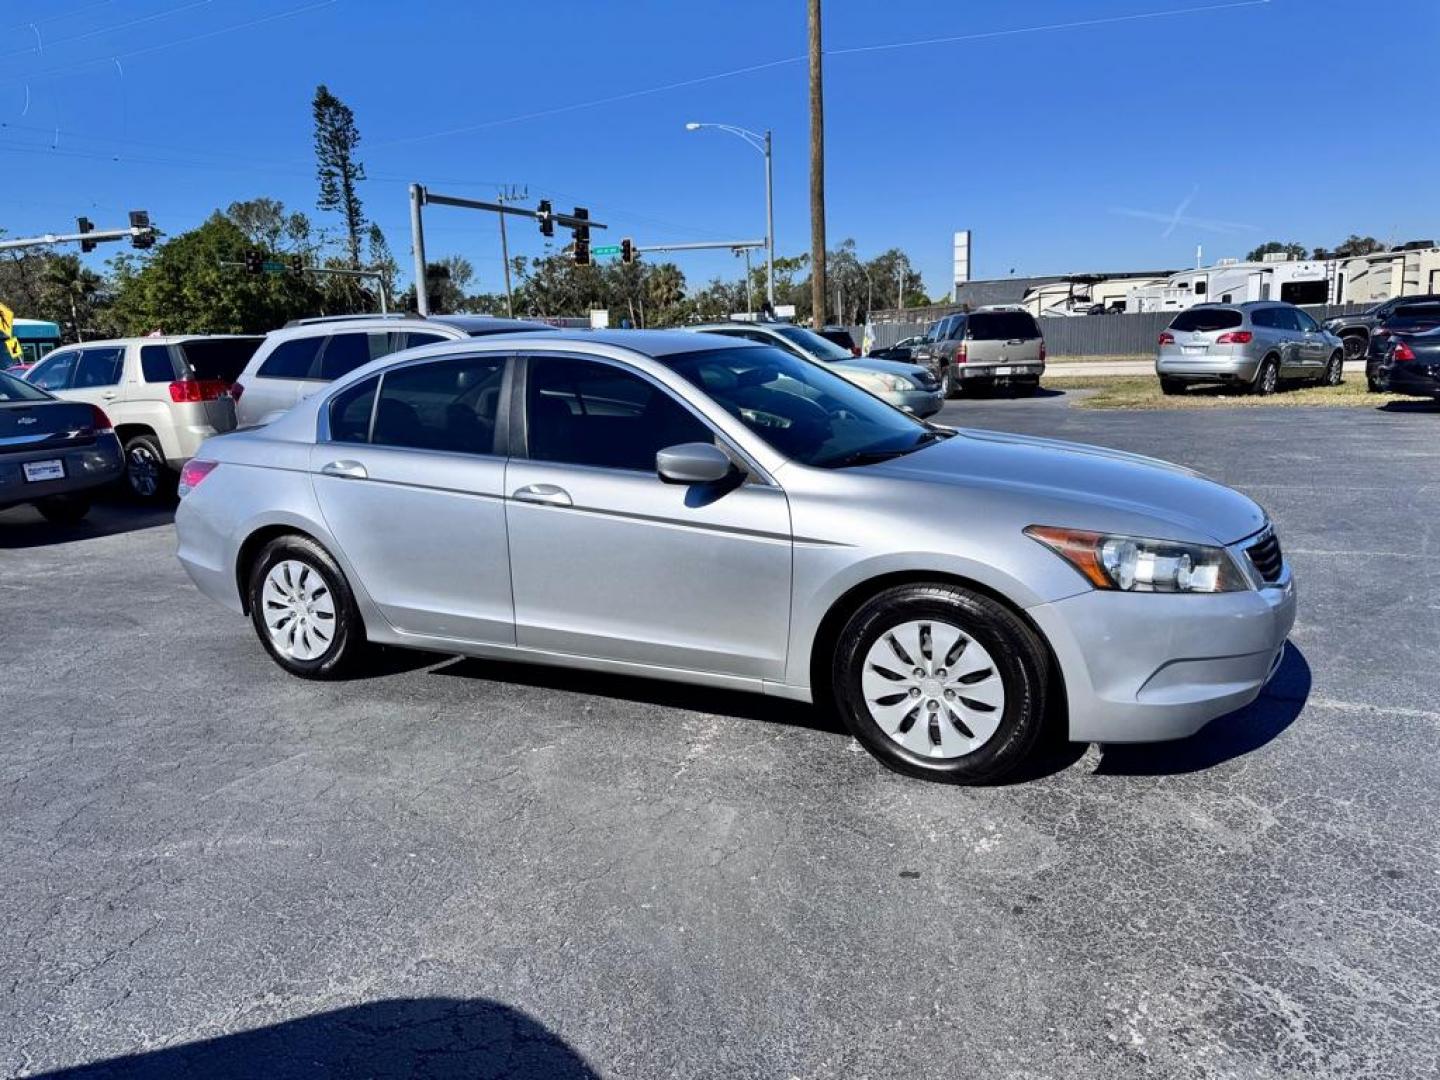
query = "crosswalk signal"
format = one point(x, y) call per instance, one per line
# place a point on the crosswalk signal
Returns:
point(254, 261)
point(140, 219)
point(85, 225)
point(581, 232)
point(543, 215)
point(627, 251)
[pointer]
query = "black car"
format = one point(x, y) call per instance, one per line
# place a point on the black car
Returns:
point(903, 350)
point(1357, 331)
point(53, 453)
point(1404, 354)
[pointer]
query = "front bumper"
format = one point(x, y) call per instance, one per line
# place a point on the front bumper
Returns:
point(86, 467)
point(1145, 667)
point(917, 402)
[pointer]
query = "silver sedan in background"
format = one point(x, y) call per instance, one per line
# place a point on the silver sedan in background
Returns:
point(697, 508)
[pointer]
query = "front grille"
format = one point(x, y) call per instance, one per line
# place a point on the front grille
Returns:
point(1265, 556)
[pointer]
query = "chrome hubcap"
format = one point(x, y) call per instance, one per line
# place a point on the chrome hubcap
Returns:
point(933, 689)
point(299, 610)
point(143, 470)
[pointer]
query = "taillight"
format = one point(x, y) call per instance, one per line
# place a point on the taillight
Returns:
point(1402, 351)
point(1166, 338)
point(236, 389)
point(194, 471)
point(1235, 337)
point(961, 354)
point(193, 390)
point(1042, 352)
point(100, 422)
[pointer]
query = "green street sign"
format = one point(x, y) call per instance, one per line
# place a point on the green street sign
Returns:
point(274, 267)
point(608, 249)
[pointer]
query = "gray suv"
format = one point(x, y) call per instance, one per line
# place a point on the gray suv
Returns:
point(1254, 345)
point(984, 348)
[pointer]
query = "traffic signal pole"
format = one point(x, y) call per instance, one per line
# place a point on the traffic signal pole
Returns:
point(88, 237)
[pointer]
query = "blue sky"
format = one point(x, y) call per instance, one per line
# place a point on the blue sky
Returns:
point(1121, 143)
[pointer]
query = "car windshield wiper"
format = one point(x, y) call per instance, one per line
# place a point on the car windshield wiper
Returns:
point(871, 457)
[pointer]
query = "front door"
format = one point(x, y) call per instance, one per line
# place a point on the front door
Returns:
point(609, 561)
point(411, 486)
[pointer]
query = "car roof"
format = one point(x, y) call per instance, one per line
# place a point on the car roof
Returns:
point(652, 343)
point(307, 328)
point(479, 325)
point(160, 339)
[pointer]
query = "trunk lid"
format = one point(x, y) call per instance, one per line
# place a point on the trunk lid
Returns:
point(26, 426)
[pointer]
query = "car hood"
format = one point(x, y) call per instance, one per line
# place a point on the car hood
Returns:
point(1087, 487)
point(886, 367)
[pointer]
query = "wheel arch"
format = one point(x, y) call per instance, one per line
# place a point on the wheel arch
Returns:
point(253, 544)
point(127, 431)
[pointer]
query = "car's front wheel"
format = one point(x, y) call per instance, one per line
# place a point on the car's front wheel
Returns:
point(303, 610)
point(941, 682)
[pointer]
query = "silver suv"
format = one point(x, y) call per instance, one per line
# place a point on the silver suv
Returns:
point(984, 348)
point(311, 353)
point(1255, 345)
point(165, 396)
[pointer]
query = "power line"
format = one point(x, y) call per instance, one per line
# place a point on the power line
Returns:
point(39, 47)
point(63, 15)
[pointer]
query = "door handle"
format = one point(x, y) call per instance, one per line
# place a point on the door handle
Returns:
point(544, 494)
point(351, 470)
point(109, 395)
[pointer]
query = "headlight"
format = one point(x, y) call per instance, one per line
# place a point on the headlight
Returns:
point(881, 382)
point(1137, 564)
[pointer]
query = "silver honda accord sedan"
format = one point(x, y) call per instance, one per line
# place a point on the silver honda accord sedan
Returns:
point(690, 507)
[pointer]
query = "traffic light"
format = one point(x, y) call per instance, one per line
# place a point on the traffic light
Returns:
point(581, 232)
point(140, 219)
point(627, 251)
point(254, 261)
point(542, 215)
point(297, 264)
point(86, 226)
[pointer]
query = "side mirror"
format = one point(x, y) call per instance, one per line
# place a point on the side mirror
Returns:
point(692, 463)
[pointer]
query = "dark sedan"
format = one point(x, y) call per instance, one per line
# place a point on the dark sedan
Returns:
point(53, 454)
point(1404, 353)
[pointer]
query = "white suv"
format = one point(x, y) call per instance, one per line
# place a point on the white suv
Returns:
point(165, 396)
point(311, 353)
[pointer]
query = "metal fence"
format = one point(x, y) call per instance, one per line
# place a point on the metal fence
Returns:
point(1080, 335)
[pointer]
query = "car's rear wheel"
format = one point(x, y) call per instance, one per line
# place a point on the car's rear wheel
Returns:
point(941, 682)
point(1267, 379)
point(64, 509)
point(146, 473)
point(1334, 369)
point(1171, 386)
point(948, 381)
point(303, 610)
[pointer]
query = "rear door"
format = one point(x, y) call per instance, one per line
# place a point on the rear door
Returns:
point(277, 383)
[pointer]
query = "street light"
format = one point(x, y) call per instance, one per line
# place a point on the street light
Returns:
point(761, 143)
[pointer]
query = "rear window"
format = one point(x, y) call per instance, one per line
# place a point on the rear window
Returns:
point(291, 359)
point(13, 389)
point(1427, 312)
point(1002, 325)
point(219, 358)
point(1204, 320)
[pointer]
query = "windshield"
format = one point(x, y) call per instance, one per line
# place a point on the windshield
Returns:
point(813, 344)
point(803, 411)
point(13, 389)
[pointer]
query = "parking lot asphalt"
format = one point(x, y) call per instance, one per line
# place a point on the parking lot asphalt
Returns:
point(463, 868)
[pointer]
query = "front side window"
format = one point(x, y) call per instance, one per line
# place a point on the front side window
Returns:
point(54, 373)
point(803, 411)
point(98, 367)
point(291, 359)
point(580, 412)
point(447, 405)
point(1307, 324)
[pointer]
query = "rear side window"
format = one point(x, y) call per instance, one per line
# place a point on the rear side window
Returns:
point(156, 364)
point(350, 412)
point(291, 359)
point(415, 340)
point(1204, 320)
point(346, 352)
point(1002, 325)
point(1265, 317)
point(98, 367)
point(447, 405)
point(54, 373)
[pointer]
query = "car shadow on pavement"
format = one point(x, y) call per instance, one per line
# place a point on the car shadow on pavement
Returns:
point(702, 699)
point(1224, 738)
point(23, 527)
point(1417, 405)
point(383, 1040)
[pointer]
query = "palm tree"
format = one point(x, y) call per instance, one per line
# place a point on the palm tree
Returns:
point(67, 281)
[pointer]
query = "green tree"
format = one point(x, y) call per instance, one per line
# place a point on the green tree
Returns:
point(74, 290)
point(336, 139)
point(1276, 247)
point(1358, 245)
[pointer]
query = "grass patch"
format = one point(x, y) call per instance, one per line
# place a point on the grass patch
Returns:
point(1143, 392)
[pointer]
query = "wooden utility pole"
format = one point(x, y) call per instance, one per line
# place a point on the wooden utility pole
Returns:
point(817, 171)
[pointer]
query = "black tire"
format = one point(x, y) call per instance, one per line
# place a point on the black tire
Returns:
point(1354, 346)
point(348, 643)
point(1334, 370)
point(949, 385)
point(1025, 387)
point(1017, 654)
point(1372, 384)
point(1171, 386)
point(64, 509)
point(147, 477)
point(1267, 379)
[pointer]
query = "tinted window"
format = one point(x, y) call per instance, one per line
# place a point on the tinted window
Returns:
point(1428, 312)
point(585, 413)
point(346, 352)
point(1264, 317)
point(803, 410)
point(415, 340)
point(291, 359)
point(812, 344)
point(350, 412)
point(98, 367)
point(218, 358)
point(1305, 321)
point(1204, 320)
point(446, 405)
point(1284, 318)
point(156, 364)
point(1002, 326)
point(13, 389)
point(54, 373)
point(1201, 286)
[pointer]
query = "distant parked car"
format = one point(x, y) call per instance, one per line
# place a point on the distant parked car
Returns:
point(983, 349)
point(1355, 330)
point(906, 386)
point(166, 395)
point(839, 335)
point(1404, 356)
point(53, 453)
point(902, 351)
point(1253, 345)
point(311, 353)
